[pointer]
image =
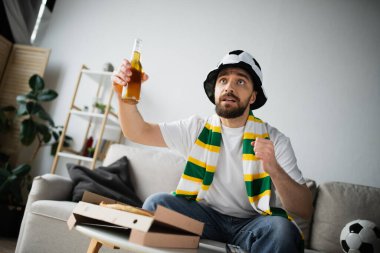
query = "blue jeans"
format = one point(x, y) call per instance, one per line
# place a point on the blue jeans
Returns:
point(257, 234)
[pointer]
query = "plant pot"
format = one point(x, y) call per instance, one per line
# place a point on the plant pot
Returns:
point(10, 219)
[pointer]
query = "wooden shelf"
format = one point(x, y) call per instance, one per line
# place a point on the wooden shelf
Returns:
point(76, 157)
point(109, 119)
point(97, 76)
point(95, 73)
point(96, 117)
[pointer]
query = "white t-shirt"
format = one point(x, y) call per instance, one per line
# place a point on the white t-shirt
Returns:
point(227, 193)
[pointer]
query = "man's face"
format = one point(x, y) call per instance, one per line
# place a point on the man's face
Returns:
point(233, 92)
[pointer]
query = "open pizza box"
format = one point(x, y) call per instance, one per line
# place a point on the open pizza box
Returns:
point(163, 228)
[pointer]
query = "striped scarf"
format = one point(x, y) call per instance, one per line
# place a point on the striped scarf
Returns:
point(202, 161)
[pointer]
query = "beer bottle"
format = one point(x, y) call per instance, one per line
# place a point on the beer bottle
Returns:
point(131, 92)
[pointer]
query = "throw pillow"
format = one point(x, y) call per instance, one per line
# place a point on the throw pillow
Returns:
point(111, 181)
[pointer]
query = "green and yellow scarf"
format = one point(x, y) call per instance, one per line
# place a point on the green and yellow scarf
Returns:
point(202, 161)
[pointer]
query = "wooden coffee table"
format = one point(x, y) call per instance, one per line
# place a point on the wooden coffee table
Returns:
point(118, 239)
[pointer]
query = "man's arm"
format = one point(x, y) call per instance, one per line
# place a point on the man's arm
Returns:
point(136, 129)
point(131, 122)
point(295, 198)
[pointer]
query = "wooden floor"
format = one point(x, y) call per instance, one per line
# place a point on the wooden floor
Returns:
point(7, 245)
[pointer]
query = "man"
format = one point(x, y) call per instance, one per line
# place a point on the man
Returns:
point(236, 163)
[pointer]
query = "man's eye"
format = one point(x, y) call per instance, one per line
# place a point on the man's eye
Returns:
point(241, 82)
point(222, 81)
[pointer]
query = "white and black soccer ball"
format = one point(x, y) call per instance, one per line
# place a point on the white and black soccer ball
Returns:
point(360, 236)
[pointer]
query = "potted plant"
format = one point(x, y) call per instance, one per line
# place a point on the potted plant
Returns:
point(56, 136)
point(101, 107)
point(35, 125)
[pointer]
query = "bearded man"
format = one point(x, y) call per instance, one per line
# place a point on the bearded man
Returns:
point(236, 162)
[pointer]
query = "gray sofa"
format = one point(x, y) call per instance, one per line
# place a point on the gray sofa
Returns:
point(153, 170)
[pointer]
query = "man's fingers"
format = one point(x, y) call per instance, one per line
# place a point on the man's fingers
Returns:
point(122, 75)
point(263, 148)
point(126, 63)
point(117, 80)
point(124, 71)
point(145, 77)
point(121, 80)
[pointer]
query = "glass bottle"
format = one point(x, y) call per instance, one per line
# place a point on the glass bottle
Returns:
point(131, 92)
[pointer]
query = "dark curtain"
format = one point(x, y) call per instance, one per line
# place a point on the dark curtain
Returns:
point(5, 29)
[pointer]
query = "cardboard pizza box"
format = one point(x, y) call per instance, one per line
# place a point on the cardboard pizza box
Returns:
point(163, 228)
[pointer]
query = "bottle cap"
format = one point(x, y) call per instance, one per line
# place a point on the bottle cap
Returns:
point(137, 45)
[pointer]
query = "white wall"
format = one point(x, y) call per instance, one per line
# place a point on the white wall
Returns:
point(320, 60)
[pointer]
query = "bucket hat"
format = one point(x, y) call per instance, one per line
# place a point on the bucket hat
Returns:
point(240, 59)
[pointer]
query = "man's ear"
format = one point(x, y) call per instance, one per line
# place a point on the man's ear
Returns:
point(253, 97)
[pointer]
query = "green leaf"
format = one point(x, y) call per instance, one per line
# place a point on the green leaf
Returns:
point(36, 108)
point(55, 136)
point(32, 95)
point(69, 138)
point(12, 177)
point(53, 149)
point(36, 83)
point(22, 110)
point(28, 132)
point(31, 107)
point(21, 170)
point(45, 132)
point(4, 173)
point(42, 114)
point(7, 182)
point(47, 95)
point(21, 99)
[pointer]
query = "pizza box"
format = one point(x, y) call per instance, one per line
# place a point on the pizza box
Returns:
point(163, 228)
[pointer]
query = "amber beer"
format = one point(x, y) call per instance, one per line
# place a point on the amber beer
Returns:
point(131, 92)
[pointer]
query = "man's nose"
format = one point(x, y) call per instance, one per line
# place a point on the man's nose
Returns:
point(228, 88)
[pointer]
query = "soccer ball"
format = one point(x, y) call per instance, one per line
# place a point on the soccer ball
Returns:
point(360, 236)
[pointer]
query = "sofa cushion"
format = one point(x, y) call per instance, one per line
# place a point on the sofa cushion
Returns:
point(337, 204)
point(148, 165)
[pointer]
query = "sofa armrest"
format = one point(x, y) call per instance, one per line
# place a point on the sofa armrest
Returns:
point(45, 187)
point(50, 187)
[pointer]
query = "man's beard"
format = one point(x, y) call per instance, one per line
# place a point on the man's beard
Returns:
point(230, 113)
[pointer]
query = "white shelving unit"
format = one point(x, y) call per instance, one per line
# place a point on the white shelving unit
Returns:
point(97, 118)
point(106, 120)
point(75, 157)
